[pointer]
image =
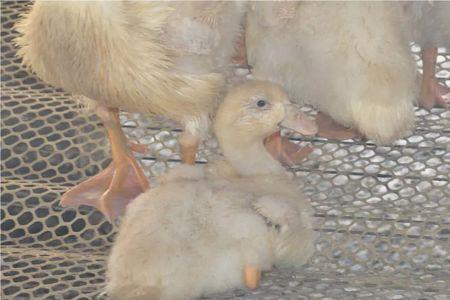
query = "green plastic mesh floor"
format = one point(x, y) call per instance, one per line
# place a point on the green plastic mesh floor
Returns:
point(382, 213)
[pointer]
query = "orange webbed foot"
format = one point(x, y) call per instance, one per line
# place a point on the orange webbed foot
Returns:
point(111, 190)
point(328, 128)
point(434, 94)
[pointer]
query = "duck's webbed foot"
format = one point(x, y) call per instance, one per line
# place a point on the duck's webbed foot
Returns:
point(328, 128)
point(432, 93)
point(252, 277)
point(110, 190)
point(285, 151)
point(122, 181)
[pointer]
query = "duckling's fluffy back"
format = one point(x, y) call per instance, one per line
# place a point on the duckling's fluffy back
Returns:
point(350, 59)
point(194, 236)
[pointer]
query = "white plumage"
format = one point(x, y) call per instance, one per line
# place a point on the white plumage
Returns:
point(164, 58)
point(431, 23)
point(349, 59)
point(431, 29)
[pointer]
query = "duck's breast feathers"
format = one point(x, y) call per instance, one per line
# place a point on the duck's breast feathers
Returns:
point(76, 44)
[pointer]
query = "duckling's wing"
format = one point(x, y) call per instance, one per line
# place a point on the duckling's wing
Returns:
point(291, 217)
point(277, 210)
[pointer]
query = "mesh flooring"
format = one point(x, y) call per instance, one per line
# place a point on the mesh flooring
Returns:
point(382, 213)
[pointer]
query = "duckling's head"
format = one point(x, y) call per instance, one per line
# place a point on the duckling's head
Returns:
point(249, 113)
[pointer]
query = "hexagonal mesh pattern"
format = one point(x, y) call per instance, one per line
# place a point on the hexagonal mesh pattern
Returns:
point(382, 213)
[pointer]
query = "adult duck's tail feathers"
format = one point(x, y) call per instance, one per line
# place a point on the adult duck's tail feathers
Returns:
point(113, 52)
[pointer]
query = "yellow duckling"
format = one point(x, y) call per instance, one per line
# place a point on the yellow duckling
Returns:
point(214, 228)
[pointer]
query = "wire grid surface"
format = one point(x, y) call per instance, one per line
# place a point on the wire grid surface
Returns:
point(382, 214)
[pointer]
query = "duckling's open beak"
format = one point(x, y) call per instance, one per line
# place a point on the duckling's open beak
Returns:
point(281, 148)
point(298, 121)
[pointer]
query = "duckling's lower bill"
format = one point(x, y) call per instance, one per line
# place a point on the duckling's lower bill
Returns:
point(285, 151)
point(281, 148)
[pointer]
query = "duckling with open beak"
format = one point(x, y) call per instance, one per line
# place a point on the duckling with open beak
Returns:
point(281, 148)
point(207, 229)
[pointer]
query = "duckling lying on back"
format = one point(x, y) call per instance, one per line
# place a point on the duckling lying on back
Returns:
point(213, 228)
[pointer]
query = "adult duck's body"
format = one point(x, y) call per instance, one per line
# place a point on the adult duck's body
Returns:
point(164, 58)
point(349, 59)
point(213, 228)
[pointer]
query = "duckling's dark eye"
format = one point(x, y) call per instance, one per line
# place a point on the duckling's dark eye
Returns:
point(277, 227)
point(261, 103)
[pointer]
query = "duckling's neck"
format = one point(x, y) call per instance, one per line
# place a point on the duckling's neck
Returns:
point(249, 157)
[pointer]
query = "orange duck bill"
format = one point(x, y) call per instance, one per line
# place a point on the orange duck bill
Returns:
point(281, 148)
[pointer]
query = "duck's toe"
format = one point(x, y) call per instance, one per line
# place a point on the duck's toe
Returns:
point(434, 94)
point(111, 190)
point(328, 128)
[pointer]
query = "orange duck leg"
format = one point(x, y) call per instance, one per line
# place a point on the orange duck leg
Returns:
point(432, 93)
point(113, 188)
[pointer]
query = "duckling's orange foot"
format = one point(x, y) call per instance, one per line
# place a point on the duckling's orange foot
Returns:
point(434, 94)
point(285, 151)
point(252, 277)
point(328, 128)
point(111, 190)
